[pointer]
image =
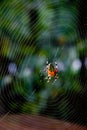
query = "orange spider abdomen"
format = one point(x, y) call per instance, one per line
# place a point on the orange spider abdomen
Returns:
point(51, 73)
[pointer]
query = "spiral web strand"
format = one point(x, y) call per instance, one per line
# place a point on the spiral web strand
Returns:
point(23, 33)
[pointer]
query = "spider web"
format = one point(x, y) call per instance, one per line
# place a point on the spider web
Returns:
point(24, 33)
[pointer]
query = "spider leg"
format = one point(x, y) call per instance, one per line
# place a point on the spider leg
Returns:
point(47, 62)
point(46, 77)
point(49, 78)
point(56, 65)
point(56, 76)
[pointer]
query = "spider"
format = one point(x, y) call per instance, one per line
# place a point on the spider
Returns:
point(51, 71)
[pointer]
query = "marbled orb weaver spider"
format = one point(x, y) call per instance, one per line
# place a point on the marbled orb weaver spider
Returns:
point(51, 71)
